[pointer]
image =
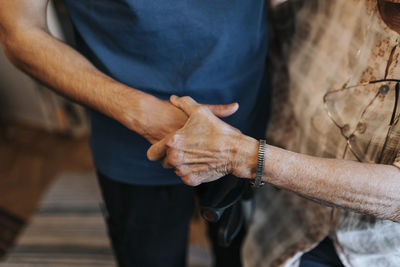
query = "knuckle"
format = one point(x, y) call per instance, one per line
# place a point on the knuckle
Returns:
point(203, 109)
point(182, 171)
point(192, 181)
point(178, 173)
point(170, 161)
point(186, 180)
point(174, 157)
point(173, 140)
point(199, 110)
point(186, 98)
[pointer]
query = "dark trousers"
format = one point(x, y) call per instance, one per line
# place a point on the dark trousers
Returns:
point(323, 255)
point(148, 225)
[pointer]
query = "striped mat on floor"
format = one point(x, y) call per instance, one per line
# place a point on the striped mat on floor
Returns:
point(10, 227)
point(69, 230)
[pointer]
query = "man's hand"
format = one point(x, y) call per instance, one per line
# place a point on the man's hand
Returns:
point(163, 118)
point(204, 150)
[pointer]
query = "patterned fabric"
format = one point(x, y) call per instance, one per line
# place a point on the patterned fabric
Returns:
point(397, 161)
point(333, 97)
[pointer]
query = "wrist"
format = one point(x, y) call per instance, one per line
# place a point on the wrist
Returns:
point(245, 158)
point(132, 110)
point(151, 117)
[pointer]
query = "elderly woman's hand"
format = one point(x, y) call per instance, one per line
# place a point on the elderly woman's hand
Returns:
point(206, 148)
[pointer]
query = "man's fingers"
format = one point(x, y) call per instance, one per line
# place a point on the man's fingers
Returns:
point(223, 110)
point(158, 150)
point(186, 103)
point(165, 164)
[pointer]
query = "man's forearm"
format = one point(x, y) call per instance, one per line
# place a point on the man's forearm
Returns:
point(62, 68)
point(69, 73)
point(367, 188)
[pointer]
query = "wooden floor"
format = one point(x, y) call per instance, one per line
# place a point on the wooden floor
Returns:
point(29, 161)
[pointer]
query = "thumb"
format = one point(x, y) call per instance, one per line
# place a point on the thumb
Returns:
point(157, 150)
point(223, 110)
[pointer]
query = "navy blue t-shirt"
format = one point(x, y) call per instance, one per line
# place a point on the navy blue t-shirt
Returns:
point(211, 50)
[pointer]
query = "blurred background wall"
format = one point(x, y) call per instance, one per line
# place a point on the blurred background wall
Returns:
point(24, 100)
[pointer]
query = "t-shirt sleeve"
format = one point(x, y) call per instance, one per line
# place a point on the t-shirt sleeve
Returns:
point(397, 160)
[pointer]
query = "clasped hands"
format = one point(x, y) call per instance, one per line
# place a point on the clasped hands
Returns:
point(205, 148)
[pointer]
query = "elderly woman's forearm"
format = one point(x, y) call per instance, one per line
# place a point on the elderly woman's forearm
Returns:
point(367, 188)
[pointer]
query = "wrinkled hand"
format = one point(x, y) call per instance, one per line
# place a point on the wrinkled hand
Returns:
point(163, 118)
point(204, 150)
